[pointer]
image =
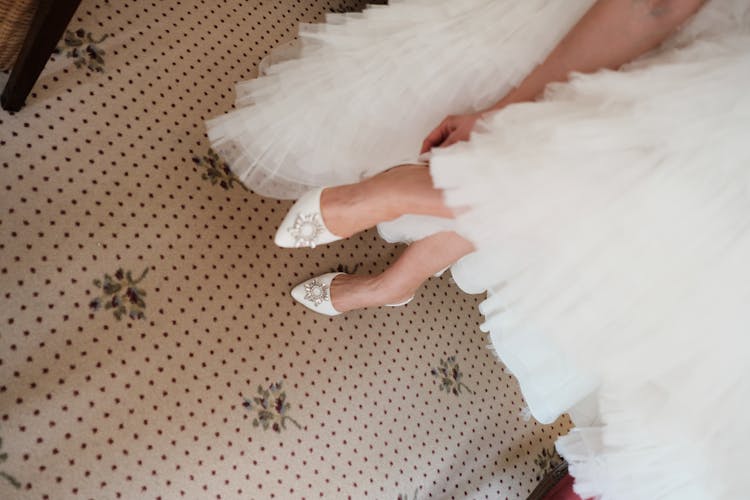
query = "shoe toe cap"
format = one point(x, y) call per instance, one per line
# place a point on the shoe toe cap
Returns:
point(298, 293)
point(283, 238)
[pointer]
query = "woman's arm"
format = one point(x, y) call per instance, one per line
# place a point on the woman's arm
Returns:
point(610, 34)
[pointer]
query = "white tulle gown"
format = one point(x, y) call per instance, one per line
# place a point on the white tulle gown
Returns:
point(611, 218)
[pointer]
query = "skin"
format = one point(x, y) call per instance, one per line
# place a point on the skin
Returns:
point(610, 34)
point(387, 196)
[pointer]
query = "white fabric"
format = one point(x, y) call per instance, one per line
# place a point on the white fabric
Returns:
point(621, 229)
point(612, 219)
point(389, 73)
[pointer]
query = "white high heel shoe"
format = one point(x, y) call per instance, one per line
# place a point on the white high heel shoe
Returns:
point(303, 225)
point(315, 294)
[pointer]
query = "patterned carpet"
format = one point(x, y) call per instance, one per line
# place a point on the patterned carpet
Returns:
point(149, 347)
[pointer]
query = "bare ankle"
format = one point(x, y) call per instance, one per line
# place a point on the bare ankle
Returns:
point(349, 292)
point(352, 208)
point(409, 189)
point(388, 291)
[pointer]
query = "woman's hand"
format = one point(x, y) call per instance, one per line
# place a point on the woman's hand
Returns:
point(610, 34)
point(454, 128)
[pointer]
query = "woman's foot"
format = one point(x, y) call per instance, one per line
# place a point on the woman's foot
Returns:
point(336, 293)
point(338, 212)
point(349, 209)
point(356, 291)
point(404, 189)
point(303, 225)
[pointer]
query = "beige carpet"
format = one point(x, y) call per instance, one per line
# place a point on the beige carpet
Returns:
point(202, 378)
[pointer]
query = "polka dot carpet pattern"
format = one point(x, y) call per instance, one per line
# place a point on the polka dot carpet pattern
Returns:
point(149, 347)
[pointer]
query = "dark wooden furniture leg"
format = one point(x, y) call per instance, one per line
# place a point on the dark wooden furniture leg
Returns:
point(47, 27)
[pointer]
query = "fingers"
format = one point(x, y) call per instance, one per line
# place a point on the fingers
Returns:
point(454, 137)
point(437, 136)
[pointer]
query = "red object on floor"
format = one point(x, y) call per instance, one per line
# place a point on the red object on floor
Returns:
point(563, 490)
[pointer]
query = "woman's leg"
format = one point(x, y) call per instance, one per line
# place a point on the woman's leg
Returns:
point(401, 280)
point(406, 189)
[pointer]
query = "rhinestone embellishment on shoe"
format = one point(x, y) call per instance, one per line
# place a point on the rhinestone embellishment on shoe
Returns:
point(316, 292)
point(306, 230)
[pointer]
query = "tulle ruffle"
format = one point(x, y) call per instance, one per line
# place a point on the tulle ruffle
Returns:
point(359, 93)
point(620, 230)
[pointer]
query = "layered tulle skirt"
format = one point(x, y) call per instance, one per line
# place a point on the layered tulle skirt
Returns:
point(359, 93)
point(611, 218)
